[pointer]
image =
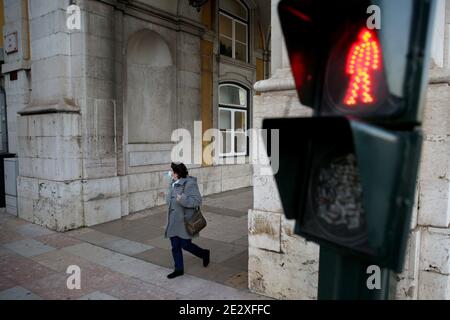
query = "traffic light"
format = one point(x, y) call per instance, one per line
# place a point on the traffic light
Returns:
point(347, 175)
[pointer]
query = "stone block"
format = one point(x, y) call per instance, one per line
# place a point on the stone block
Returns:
point(263, 107)
point(295, 245)
point(433, 200)
point(212, 173)
point(211, 187)
point(51, 147)
point(234, 171)
point(97, 170)
point(435, 251)
point(124, 195)
point(282, 276)
point(435, 158)
point(98, 8)
point(236, 183)
point(265, 193)
point(25, 209)
point(41, 8)
point(161, 197)
point(28, 188)
point(50, 23)
point(143, 182)
point(98, 189)
point(51, 45)
point(189, 79)
point(101, 211)
point(99, 46)
point(434, 286)
point(264, 229)
point(13, 11)
point(149, 158)
point(28, 147)
point(436, 120)
point(57, 205)
point(101, 25)
point(100, 89)
point(49, 125)
point(437, 48)
point(51, 68)
point(50, 89)
point(139, 201)
point(50, 169)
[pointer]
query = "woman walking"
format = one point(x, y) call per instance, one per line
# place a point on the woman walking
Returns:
point(182, 199)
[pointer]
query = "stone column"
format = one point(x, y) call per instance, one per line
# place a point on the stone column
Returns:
point(67, 154)
point(281, 264)
point(427, 268)
point(50, 166)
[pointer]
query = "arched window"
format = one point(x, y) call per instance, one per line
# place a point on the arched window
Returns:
point(233, 29)
point(233, 111)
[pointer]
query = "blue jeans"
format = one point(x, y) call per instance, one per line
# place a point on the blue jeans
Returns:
point(178, 244)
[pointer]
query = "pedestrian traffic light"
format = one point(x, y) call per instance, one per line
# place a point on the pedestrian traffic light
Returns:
point(348, 174)
point(342, 65)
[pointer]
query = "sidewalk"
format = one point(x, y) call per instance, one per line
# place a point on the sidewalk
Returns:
point(127, 259)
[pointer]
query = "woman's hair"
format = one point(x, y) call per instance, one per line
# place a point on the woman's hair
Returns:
point(180, 169)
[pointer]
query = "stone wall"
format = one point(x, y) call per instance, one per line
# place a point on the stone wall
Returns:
point(281, 264)
point(77, 165)
point(427, 264)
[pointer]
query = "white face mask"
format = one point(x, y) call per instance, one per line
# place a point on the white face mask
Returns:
point(169, 175)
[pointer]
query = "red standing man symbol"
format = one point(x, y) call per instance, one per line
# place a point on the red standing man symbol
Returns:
point(363, 63)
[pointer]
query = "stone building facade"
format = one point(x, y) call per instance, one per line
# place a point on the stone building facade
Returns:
point(283, 265)
point(91, 111)
point(90, 114)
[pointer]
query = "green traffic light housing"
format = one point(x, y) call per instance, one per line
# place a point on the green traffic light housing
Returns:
point(349, 185)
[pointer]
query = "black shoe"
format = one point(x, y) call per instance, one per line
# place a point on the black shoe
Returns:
point(206, 259)
point(175, 274)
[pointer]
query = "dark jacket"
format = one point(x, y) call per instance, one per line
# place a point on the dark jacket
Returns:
point(177, 210)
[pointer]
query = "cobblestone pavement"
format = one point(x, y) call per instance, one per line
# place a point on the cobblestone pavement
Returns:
point(128, 258)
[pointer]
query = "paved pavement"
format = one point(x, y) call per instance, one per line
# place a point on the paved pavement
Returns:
point(128, 258)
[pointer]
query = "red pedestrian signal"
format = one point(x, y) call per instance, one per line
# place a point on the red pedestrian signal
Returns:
point(341, 67)
point(362, 63)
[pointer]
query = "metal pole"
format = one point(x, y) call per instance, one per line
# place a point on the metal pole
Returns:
point(344, 277)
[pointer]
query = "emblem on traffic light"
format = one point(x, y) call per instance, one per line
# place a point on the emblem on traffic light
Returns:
point(347, 175)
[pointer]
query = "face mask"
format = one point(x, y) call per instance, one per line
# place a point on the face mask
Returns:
point(169, 175)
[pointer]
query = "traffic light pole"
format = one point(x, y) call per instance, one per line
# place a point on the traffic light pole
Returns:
point(344, 277)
